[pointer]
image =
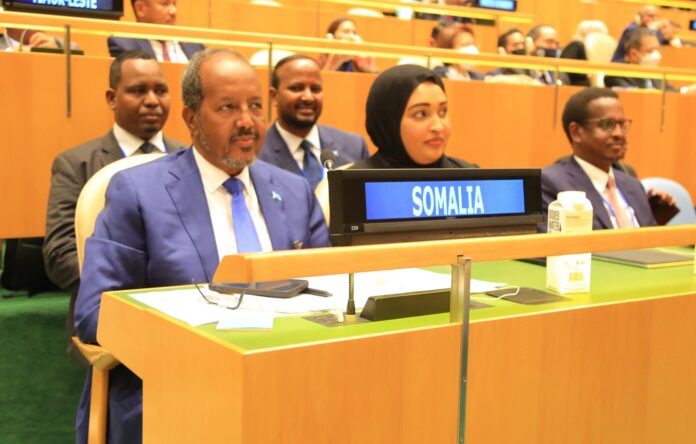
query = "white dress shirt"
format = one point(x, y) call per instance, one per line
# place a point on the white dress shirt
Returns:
point(293, 143)
point(176, 53)
point(129, 143)
point(220, 206)
point(599, 179)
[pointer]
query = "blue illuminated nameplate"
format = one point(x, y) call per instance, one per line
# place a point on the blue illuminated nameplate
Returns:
point(504, 5)
point(428, 199)
point(74, 4)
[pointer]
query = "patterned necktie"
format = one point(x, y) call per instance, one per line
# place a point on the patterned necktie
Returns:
point(165, 51)
point(311, 168)
point(623, 219)
point(244, 231)
point(147, 148)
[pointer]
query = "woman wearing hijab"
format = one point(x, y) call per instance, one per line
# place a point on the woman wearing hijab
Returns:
point(406, 118)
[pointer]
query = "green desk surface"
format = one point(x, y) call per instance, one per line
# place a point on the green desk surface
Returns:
point(610, 283)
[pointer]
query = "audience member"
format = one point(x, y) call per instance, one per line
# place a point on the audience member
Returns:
point(159, 12)
point(669, 30)
point(647, 18)
point(171, 220)
point(576, 48)
point(543, 42)
point(464, 41)
point(512, 42)
point(407, 119)
point(295, 141)
point(15, 39)
point(344, 29)
point(595, 125)
point(642, 48)
point(139, 97)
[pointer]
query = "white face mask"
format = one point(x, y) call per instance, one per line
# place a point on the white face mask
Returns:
point(651, 59)
point(470, 49)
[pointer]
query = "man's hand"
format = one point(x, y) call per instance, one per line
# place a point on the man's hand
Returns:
point(42, 40)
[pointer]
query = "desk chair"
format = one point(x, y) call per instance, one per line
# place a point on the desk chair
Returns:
point(687, 213)
point(89, 204)
point(599, 48)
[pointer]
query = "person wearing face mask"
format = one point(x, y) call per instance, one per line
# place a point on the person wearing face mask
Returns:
point(642, 48)
point(407, 120)
point(543, 42)
point(511, 42)
point(344, 29)
point(647, 18)
point(464, 41)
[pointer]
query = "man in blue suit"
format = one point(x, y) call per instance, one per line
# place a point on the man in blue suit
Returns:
point(295, 141)
point(170, 221)
point(594, 122)
point(159, 12)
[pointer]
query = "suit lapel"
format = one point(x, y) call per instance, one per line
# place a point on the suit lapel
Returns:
point(328, 143)
point(275, 142)
point(580, 181)
point(146, 46)
point(192, 206)
point(110, 152)
point(271, 202)
point(172, 145)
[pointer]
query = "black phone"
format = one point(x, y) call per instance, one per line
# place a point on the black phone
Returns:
point(273, 289)
point(525, 295)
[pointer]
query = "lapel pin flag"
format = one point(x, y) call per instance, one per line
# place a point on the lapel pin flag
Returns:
point(276, 196)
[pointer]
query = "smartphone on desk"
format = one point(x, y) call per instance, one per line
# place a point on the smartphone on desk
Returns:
point(273, 289)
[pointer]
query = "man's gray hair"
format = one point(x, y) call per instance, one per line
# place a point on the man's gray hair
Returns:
point(635, 38)
point(191, 85)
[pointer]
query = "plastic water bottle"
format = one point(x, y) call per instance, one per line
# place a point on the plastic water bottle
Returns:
point(571, 212)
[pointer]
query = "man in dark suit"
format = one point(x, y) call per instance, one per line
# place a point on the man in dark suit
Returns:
point(139, 97)
point(159, 12)
point(594, 122)
point(642, 47)
point(171, 220)
point(295, 141)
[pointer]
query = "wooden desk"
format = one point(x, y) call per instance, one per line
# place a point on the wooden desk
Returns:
point(611, 366)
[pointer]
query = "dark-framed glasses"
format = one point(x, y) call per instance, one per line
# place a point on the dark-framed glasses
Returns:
point(223, 301)
point(610, 124)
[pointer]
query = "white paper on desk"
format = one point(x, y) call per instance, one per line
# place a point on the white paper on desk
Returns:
point(188, 306)
point(247, 321)
point(377, 283)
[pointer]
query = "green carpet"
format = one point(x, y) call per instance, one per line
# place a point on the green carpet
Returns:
point(39, 385)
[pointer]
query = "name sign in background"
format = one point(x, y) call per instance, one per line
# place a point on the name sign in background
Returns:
point(428, 199)
point(76, 4)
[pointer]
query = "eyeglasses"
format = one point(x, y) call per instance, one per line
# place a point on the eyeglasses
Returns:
point(610, 124)
point(219, 301)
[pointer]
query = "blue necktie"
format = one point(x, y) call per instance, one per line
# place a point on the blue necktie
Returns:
point(311, 169)
point(244, 231)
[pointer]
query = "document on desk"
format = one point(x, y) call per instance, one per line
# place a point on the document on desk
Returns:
point(376, 283)
point(187, 305)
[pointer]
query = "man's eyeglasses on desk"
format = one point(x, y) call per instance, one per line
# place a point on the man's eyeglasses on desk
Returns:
point(220, 302)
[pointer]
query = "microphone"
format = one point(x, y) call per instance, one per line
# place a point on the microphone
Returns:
point(327, 159)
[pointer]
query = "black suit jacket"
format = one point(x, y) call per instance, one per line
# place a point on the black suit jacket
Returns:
point(631, 82)
point(569, 176)
point(346, 147)
point(117, 45)
point(70, 172)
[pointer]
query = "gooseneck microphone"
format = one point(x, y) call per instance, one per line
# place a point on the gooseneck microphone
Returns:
point(327, 159)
